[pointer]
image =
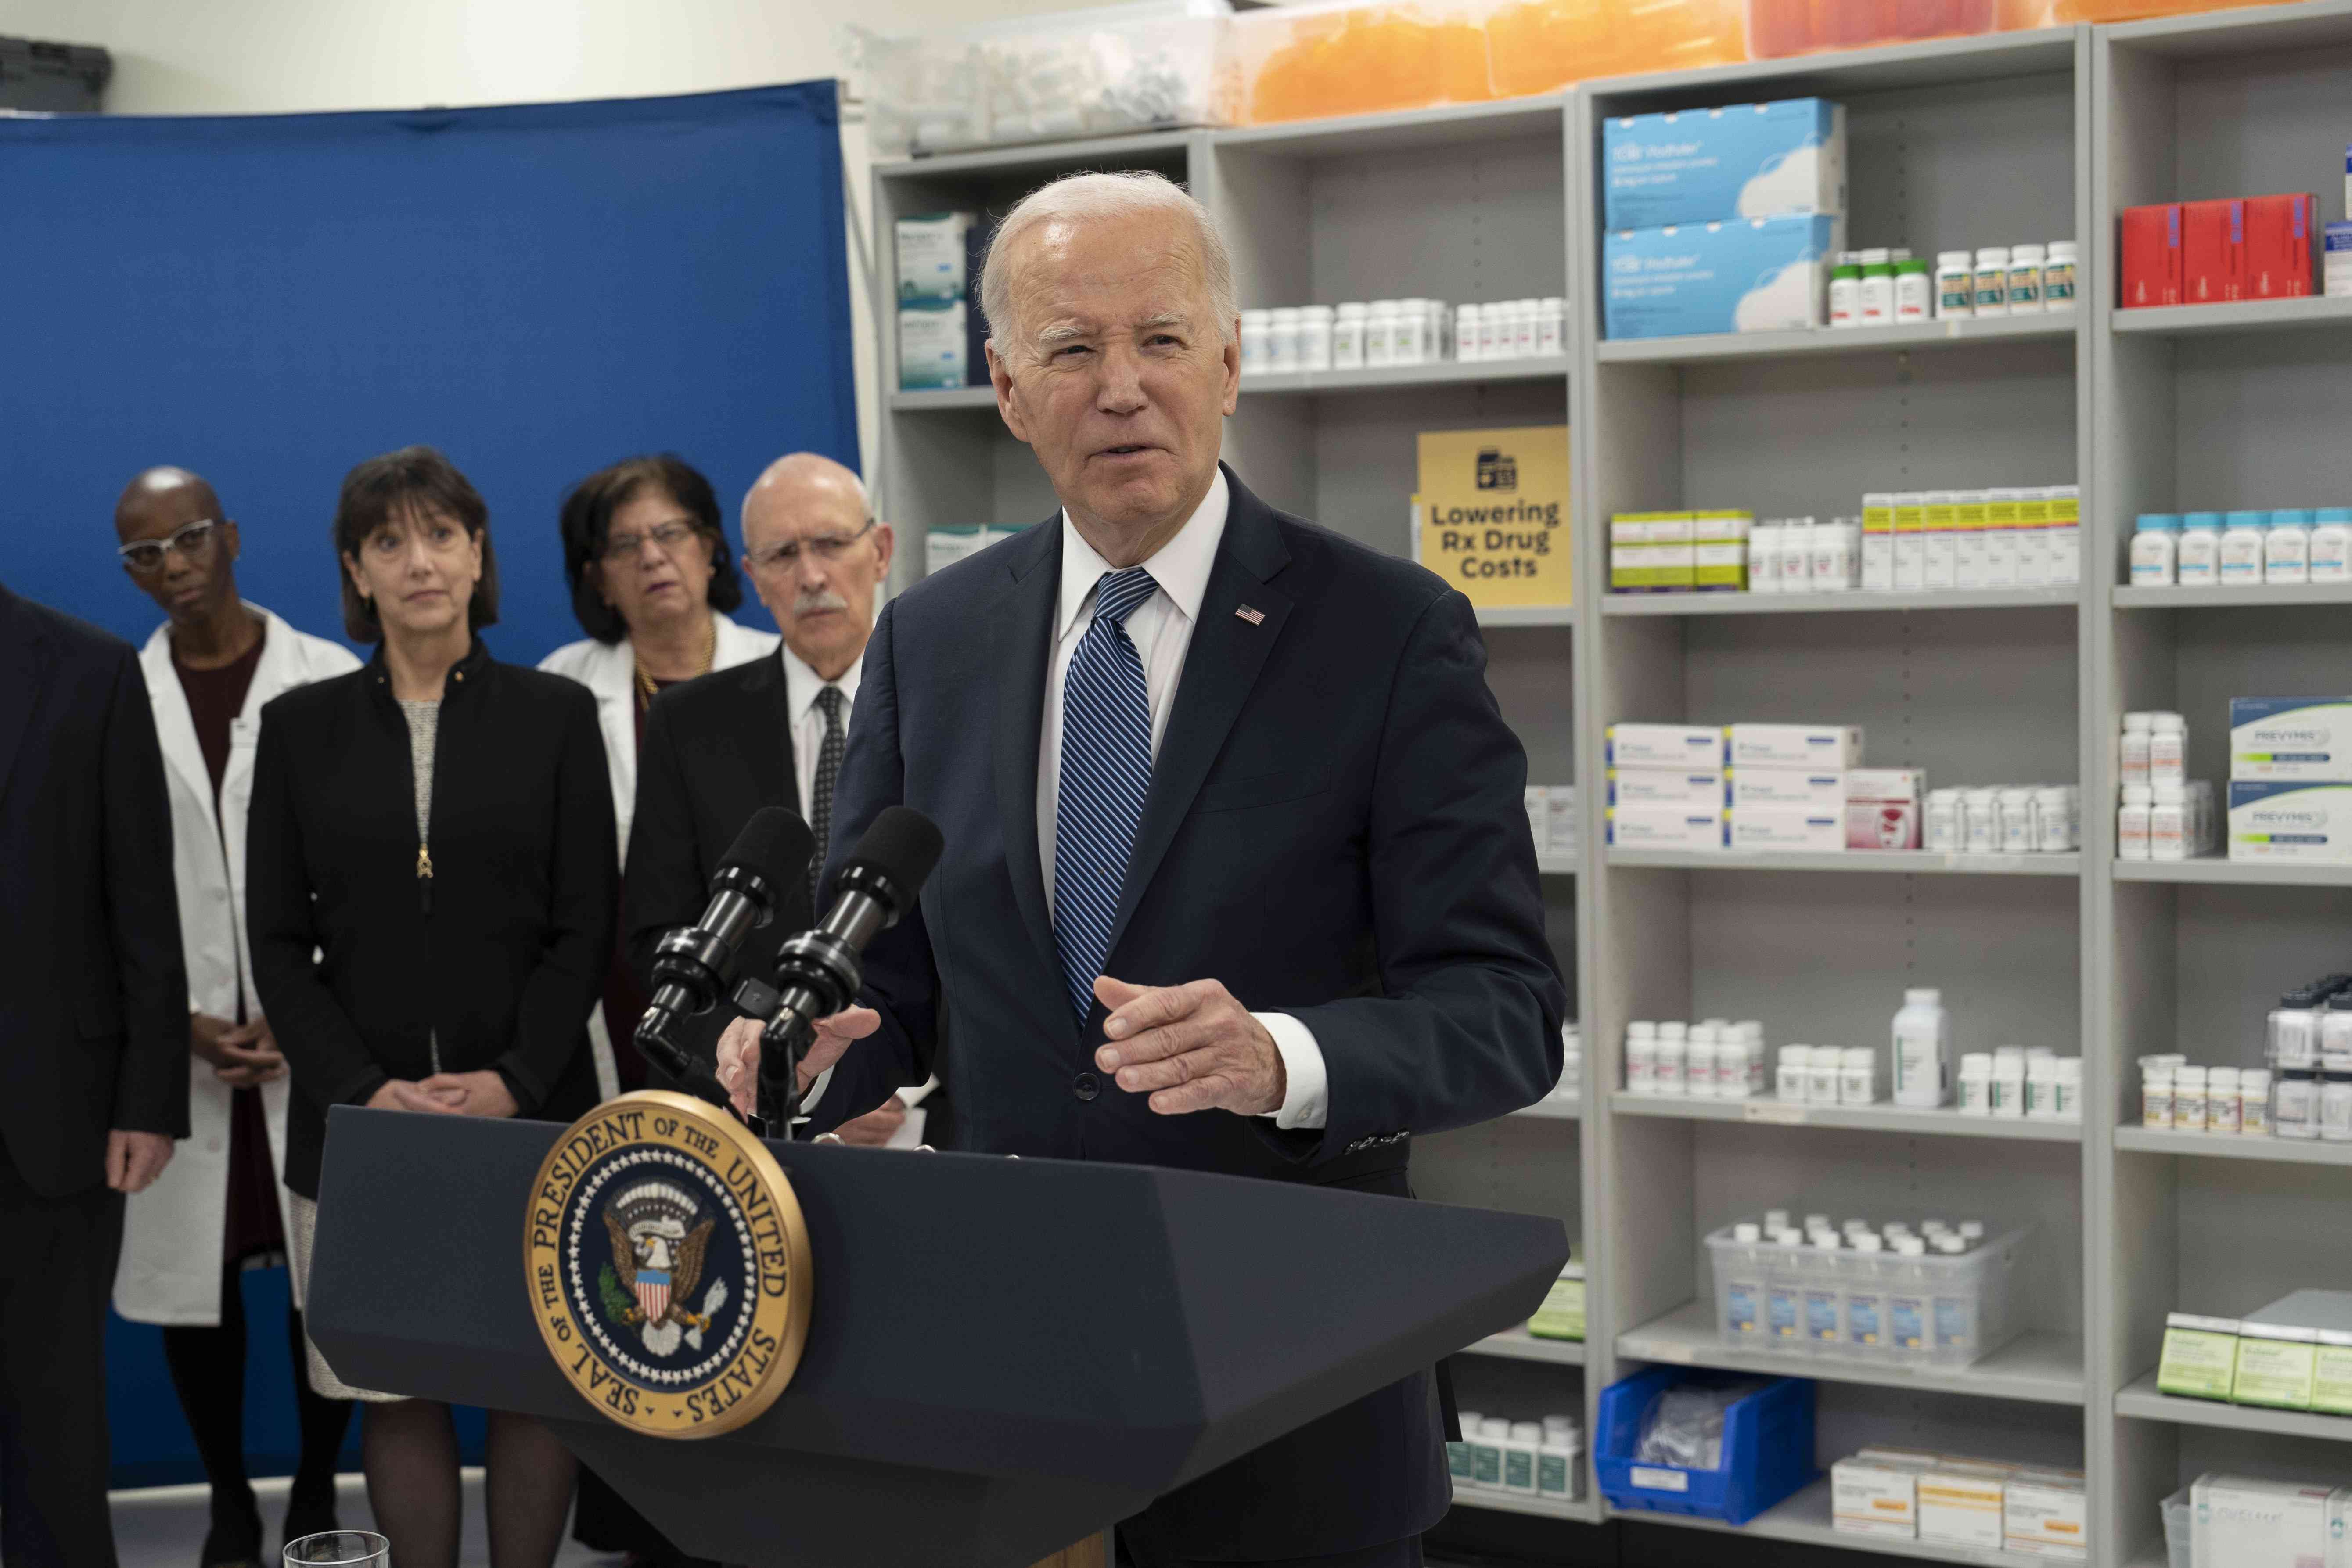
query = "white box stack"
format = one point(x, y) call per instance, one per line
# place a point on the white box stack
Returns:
point(1789, 786)
point(1667, 788)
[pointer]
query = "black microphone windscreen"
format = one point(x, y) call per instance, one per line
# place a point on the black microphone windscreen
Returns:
point(775, 843)
point(903, 845)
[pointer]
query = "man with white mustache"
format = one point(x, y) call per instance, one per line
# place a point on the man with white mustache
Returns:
point(768, 732)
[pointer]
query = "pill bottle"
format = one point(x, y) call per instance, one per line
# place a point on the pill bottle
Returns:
point(1494, 341)
point(2331, 545)
point(1976, 1084)
point(1282, 340)
point(2294, 1037)
point(1519, 1458)
point(1764, 555)
point(1381, 320)
point(1790, 1074)
point(1316, 324)
point(1752, 1034)
point(2063, 539)
point(2254, 1103)
point(2006, 1097)
point(2015, 820)
point(2243, 537)
point(2188, 1099)
point(1641, 1058)
point(2198, 552)
point(1347, 336)
point(1955, 284)
point(2168, 823)
point(1486, 1452)
point(1829, 564)
point(1466, 347)
point(2042, 1088)
point(1560, 1464)
point(1979, 821)
point(1256, 325)
point(1674, 1066)
point(2287, 548)
point(2070, 1089)
point(2155, 547)
point(2167, 749)
point(1699, 1063)
point(2058, 280)
point(1992, 280)
point(2054, 820)
point(2156, 1097)
point(2025, 280)
point(2132, 823)
point(1441, 329)
point(1922, 1053)
point(2224, 1112)
point(1915, 290)
point(1846, 289)
point(2295, 1111)
point(1875, 295)
point(2132, 755)
point(1551, 326)
point(2336, 1105)
point(1795, 564)
point(1730, 1064)
point(1822, 1068)
point(1858, 1076)
point(1943, 832)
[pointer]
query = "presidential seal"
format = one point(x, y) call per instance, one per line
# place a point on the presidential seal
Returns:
point(668, 1265)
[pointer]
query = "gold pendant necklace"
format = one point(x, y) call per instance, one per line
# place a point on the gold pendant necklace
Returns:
point(645, 687)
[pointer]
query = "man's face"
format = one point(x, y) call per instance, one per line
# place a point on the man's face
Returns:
point(1114, 370)
point(193, 577)
point(817, 564)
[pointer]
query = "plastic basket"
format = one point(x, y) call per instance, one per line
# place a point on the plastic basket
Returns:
point(1801, 1301)
point(1767, 1448)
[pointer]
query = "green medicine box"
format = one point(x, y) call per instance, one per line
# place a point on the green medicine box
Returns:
point(2200, 1356)
point(2276, 1365)
point(1561, 1316)
point(2331, 1382)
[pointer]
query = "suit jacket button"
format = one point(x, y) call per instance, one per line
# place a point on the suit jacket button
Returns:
point(1085, 1086)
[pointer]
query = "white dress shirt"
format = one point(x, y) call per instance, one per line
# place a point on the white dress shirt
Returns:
point(1161, 629)
point(802, 684)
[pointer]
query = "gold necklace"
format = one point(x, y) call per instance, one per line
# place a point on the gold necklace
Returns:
point(645, 687)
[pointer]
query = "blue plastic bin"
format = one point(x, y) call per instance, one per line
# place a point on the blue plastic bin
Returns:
point(1767, 1448)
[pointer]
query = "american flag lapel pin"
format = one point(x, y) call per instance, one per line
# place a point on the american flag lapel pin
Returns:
point(1251, 613)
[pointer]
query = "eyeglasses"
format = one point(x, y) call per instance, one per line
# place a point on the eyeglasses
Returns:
point(190, 539)
point(668, 536)
point(826, 547)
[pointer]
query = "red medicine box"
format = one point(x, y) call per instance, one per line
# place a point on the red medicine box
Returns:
point(2151, 248)
point(2279, 234)
point(2212, 252)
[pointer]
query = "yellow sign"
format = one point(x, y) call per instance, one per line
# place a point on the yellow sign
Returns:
point(667, 1266)
point(1491, 516)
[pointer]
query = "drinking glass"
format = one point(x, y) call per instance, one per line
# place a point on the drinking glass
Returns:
point(340, 1549)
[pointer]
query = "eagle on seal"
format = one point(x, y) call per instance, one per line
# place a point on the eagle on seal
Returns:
point(679, 1258)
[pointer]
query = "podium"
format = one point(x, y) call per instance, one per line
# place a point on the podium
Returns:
point(1004, 1355)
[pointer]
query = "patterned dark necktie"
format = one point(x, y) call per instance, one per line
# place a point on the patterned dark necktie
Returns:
point(828, 769)
point(1105, 774)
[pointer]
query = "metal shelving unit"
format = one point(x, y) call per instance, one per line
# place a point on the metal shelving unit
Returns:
point(1961, 141)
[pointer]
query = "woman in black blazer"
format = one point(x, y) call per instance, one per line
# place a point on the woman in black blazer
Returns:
point(430, 871)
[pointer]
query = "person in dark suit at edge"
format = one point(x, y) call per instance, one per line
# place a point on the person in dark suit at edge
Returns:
point(1237, 873)
point(94, 1031)
point(771, 731)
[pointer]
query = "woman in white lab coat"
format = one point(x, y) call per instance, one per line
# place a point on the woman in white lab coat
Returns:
point(218, 1208)
point(652, 578)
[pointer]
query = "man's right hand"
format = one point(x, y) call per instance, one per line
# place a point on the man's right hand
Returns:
point(400, 1094)
point(738, 1052)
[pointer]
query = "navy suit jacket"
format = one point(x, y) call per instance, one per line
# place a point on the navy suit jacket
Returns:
point(1336, 829)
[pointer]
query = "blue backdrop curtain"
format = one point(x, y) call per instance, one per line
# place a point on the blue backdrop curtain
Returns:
point(537, 290)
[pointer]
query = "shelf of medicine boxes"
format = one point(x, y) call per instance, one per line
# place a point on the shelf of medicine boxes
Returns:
point(1517, 1344)
point(2238, 315)
point(1939, 334)
point(2038, 1368)
point(1904, 861)
point(2214, 870)
point(2143, 1400)
point(2065, 598)
point(1805, 1519)
point(2256, 595)
point(1770, 1111)
point(2231, 1146)
point(1584, 1510)
point(1298, 383)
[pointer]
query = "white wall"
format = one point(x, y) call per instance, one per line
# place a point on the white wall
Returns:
point(266, 57)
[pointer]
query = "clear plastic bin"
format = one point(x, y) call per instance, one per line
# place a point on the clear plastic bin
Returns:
point(2175, 1530)
point(1781, 28)
point(1061, 75)
point(1931, 1311)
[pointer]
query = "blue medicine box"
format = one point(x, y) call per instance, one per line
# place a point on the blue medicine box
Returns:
point(1767, 1448)
point(1752, 275)
point(1747, 160)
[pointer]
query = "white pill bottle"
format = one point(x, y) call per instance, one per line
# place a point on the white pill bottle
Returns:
point(1922, 1051)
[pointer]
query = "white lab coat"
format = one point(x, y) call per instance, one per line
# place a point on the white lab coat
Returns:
point(609, 670)
point(172, 1232)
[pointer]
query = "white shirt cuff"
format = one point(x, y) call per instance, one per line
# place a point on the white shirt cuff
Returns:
point(1307, 1097)
point(815, 1092)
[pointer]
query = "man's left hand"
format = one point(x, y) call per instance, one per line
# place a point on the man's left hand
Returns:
point(1190, 1048)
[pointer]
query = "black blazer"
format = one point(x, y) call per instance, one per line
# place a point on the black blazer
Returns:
point(94, 991)
point(501, 952)
point(1336, 828)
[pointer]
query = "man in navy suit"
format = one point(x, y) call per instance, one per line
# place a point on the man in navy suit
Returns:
point(1237, 875)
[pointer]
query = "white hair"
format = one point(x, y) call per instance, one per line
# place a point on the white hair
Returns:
point(1105, 195)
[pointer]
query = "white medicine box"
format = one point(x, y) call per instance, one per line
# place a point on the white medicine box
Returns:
point(1744, 160)
point(2244, 1522)
point(1788, 829)
point(1874, 1497)
point(1820, 748)
point(1699, 788)
point(2299, 738)
point(2044, 1514)
point(1788, 786)
point(1960, 1504)
point(1662, 825)
point(1696, 747)
point(2281, 821)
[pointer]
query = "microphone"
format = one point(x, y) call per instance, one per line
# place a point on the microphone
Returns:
point(692, 963)
point(818, 971)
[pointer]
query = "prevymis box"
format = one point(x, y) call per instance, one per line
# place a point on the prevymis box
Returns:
point(932, 349)
point(2250, 1524)
point(1655, 825)
point(1747, 160)
point(2302, 738)
point(934, 250)
point(1821, 748)
point(2290, 821)
point(1871, 1496)
point(1788, 829)
point(1699, 788)
point(1881, 807)
point(1960, 1503)
point(1757, 275)
point(1697, 747)
point(2044, 1514)
point(1815, 789)
point(2151, 255)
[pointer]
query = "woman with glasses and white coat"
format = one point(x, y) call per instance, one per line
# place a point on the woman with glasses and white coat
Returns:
point(652, 578)
point(219, 1207)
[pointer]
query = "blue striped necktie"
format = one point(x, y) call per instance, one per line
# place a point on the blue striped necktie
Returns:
point(1105, 774)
